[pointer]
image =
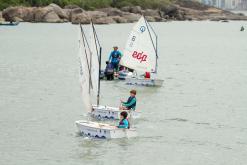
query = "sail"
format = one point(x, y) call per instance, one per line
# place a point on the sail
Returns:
point(94, 47)
point(84, 72)
point(140, 50)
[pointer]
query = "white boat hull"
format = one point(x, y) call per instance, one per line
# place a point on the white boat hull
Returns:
point(144, 82)
point(105, 112)
point(105, 131)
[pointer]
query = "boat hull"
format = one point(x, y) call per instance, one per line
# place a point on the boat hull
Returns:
point(9, 24)
point(104, 131)
point(144, 82)
point(113, 113)
point(124, 74)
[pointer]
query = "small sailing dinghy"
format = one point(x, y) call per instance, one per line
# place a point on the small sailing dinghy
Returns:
point(100, 111)
point(105, 131)
point(140, 54)
point(87, 82)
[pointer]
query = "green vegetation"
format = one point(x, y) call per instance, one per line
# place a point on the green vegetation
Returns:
point(87, 4)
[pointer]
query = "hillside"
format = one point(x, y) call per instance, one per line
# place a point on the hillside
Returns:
point(115, 11)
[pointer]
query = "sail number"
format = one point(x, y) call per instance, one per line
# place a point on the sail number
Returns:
point(132, 41)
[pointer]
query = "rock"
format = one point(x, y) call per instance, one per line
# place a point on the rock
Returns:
point(170, 10)
point(158, 19)
point(180, 16)
point(18, 13)
point(52, 17)
point(74, 12)
point(126, 8)
point(104, 20)
point(46, 14)
point(136, 9)
point(1, 17)
point(39, 13)
point(17, 19)
point(131, 17)
point(68, 13)
point(119, 19)
point(95, 14)
point(112, 11)
point(152, 13)
point(215, 19)
point(150, 19)
point(71, 7)
point(189, 18)
point(80, 18)
point(132, 9)
point(59, 11)
point(179, 10)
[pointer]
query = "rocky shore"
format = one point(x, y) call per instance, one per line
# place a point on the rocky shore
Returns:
point(181, 10)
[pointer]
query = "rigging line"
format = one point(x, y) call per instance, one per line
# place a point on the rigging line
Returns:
point(150, 34)
point(156, 36)
point(99, 60)
point(89, 68)
point(155, 49)
point(95, 40)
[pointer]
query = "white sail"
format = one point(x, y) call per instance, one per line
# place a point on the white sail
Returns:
point(84, 73)
point(94, 59)
point(139, 53)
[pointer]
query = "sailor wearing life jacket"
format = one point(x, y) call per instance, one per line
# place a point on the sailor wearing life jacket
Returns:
point(130, 103)
point(115, 57)
point(124, 122)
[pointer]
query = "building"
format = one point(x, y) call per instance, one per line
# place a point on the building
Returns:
point(226, 4)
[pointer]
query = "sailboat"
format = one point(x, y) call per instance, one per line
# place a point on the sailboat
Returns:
point(141, 55)
point(101, 111)
point(87, 76)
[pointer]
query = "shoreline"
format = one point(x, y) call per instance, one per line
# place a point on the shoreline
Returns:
point(179, 11)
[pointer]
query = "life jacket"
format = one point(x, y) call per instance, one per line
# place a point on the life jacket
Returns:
point(115, 56)
point(128, 101)
point(122, 123)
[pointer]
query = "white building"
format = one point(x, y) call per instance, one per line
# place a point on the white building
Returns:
point(225, 4)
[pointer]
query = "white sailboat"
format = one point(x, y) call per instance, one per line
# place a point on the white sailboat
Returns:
point(101, 111)
point(88, 76)
point(140, 54)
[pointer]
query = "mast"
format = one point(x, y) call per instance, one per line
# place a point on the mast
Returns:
point(156, 42)
point(98, 95)
point(99, 52)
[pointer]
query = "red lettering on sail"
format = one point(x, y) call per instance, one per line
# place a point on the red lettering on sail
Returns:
point(140, 56)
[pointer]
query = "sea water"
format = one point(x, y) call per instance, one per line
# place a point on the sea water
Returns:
point(198, 116)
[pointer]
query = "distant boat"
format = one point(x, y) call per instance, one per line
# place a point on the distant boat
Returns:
point(242, 28)
point(9, 23)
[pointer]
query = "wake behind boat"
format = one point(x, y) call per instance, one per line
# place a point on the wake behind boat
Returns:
point(141, 55)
